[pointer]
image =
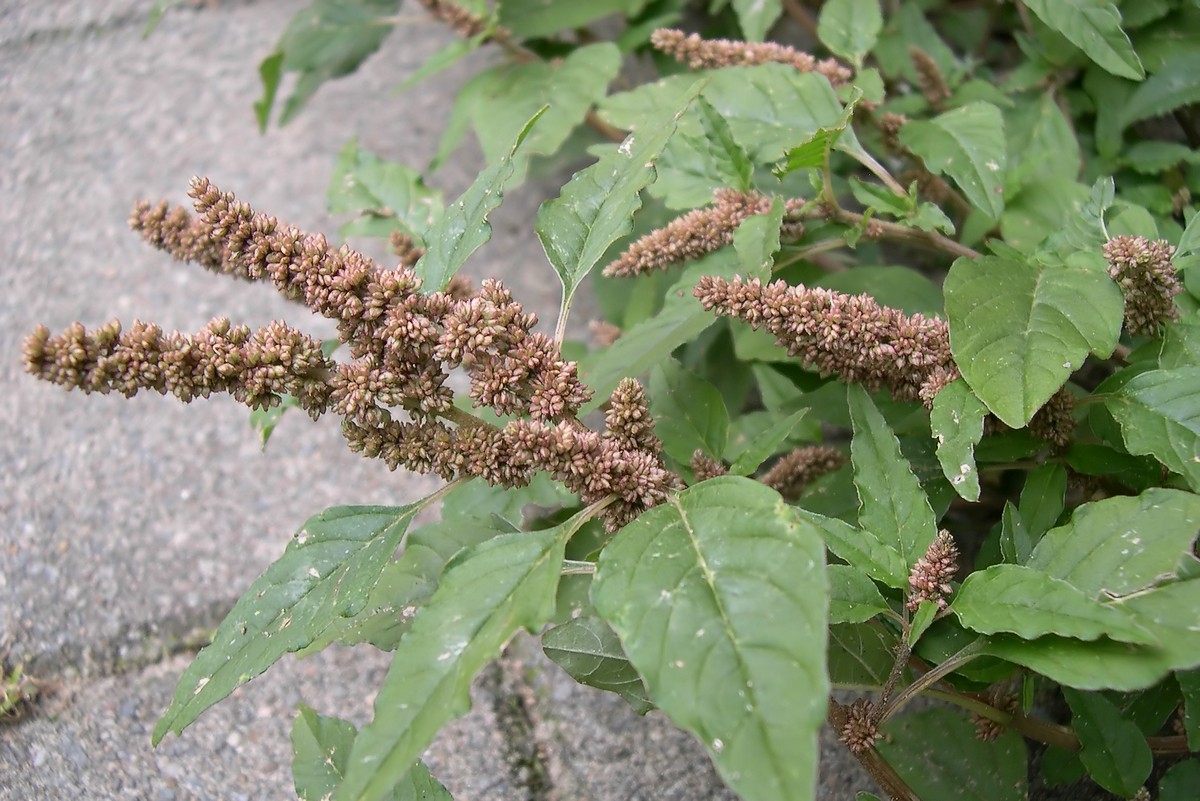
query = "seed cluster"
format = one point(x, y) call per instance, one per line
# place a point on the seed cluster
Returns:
point(929, 579)
point(798, 468)
point(852, 336)
point(1143, 270)
point(699, 232)
point(392, 394)
point(700, 53)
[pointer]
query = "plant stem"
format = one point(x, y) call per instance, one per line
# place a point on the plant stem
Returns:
point(879, 171)
point(929, 239)
point(965, 655)
point(873, 762)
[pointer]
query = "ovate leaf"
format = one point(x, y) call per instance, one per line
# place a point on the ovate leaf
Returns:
point(757, 16)
point(501, 100)
point(406, 584)
point(957, 424)
point(756, 240)
point(1159, 414)
point(967, 144)
point(1169, 613)
point(765, 444)
point(1094, 26)
point(647, 343)
point(853, 597)
point(1018, 330)
point(861, 549)
point(1043, 498)
point(590, 651)
point(1100, 665)
point(1189, 686)
point(938, 755)
point(719, 598)
point(689, 412)
point(488, 593)
point(849, 28)
point(1112, 749)
point(1121, 545)
point(464, 227)
point(596, 207)
point(1173, 86)
point(329, 39)
point(326, 572)
point(321, 749)
point(860, 656)
point(1031, 604)
point(728, 158)
point(895, 509)
point(1180, 782)
point(383, 193)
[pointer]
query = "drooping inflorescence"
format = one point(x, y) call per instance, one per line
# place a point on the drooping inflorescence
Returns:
point(403, 344)
point(699, 232)
point(852, 336)
point(700, 53)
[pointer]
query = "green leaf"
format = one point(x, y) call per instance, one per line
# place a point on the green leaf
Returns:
point(966, 143)
point(1112, 749)
point(533, 19)
point(860, 656)
point(326, 572)
point(689, 412)
point(1016, 544)
point(590, 651)
point(1180, 345)
point(1173, 86)
point(853, 597)
point(765, 444)
point(1121, 545)
point(647, 343)
point(464, 228)
point(728, 158)
point(922, 619)
point(756, 240)
point(938, 755)
point(1180, 782)
point(321, 748)
point(1043, 498)
point(362, 183)
point(757, 16)
point(498, 102)
point(596, 207)
point(270, 71)
point(264, 421)
point(1169, 613)
point(957, 424)
point(719, 598)
point(1031, 604)
point(862, 550)
point(1084, 228)
point(1018, 330)
point(488, 593)
point(328, 39)
point(850, 28)
point(407, 583)
point(444, 59)
point(1189, 685)
point(1041, 140)
point(1159, 414)
point(1094, 26)
point(894, 509)
point(1099, 665)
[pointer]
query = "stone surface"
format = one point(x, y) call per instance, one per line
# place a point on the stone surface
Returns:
point(128, 528)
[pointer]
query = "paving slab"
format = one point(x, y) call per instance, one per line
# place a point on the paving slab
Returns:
point(127, 528)
point(97, 745)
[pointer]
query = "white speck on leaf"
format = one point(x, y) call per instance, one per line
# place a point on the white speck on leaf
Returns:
point(626, 148)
